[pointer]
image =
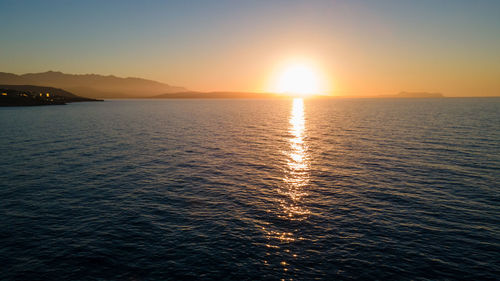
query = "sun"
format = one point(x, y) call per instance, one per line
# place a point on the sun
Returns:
point(298, 79)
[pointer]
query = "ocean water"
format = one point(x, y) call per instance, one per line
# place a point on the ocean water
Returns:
point(344, 189)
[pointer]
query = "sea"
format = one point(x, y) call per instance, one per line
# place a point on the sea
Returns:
point(285, 189)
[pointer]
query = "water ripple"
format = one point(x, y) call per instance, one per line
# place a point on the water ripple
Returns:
point(251, 189)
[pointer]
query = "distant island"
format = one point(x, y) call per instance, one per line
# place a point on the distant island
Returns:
point(28, 95)
point(414, 95)
point(218, 95)
point(419, 95)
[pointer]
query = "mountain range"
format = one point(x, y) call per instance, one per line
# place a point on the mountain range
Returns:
point(103, 87)
point(93, 85)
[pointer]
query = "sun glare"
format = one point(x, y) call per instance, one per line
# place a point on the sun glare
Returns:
point(298, 80)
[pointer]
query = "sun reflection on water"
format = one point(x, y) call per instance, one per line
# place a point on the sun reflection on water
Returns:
point(282, 239)
point(297, 172)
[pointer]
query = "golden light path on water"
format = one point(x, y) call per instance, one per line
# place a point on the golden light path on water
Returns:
point(294, 187)
point(297, 176)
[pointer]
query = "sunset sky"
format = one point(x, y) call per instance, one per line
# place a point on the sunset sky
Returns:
point(355, 47)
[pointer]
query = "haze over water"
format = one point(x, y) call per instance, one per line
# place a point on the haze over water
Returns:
point(251, 189)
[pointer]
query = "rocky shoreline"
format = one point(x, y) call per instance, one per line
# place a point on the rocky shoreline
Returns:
point(35, 96)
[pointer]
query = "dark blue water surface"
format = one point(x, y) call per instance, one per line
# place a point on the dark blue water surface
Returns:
point(251, 189)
